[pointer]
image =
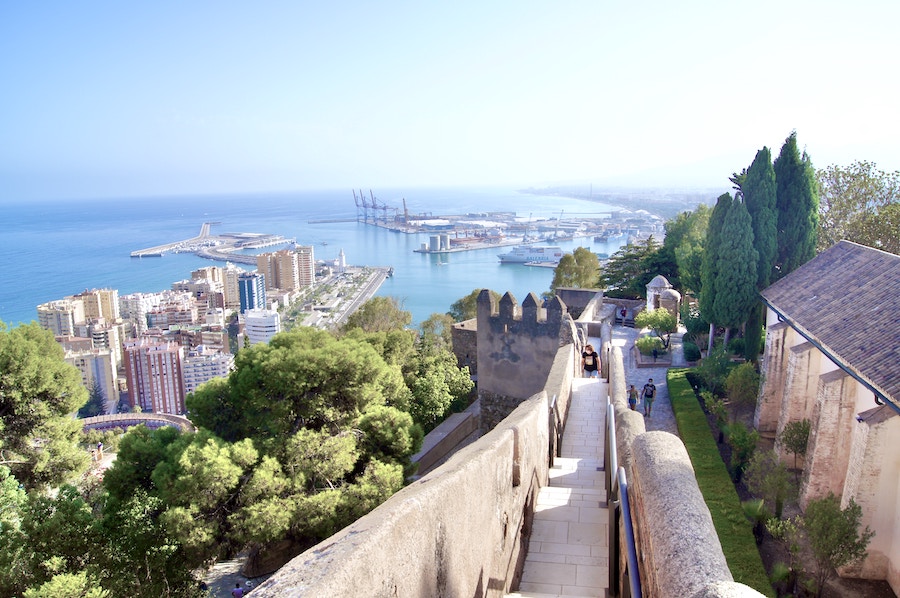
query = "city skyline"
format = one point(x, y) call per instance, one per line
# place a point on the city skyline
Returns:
point(114, 100)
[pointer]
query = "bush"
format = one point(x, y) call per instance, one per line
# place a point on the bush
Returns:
point(743, 444)
point(742, 385)
point(691, 351)
point(646, 344)
point(736, 346)
point(714, 369)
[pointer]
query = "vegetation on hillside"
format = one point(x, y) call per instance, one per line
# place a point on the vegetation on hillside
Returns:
point(308, 433)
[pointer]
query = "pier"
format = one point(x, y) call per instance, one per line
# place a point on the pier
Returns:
point(216, 247)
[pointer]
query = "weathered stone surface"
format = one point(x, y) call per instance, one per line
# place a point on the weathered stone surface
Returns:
point(676, 530)
point(727, 589)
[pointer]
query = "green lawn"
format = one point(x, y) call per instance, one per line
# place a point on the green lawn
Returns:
point(735, 531)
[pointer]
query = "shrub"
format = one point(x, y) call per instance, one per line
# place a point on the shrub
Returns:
point(736, 346)
point(691, 351)
point(769, 479)
point(646, 344)
point(742, 385)
point(834, 536)
point(795, 437)
point(713, 369)
point(743, 444)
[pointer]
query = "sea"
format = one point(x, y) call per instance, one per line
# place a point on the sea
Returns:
point(55, 248)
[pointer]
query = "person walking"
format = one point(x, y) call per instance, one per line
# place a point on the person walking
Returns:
point(632, 397)
point(648, 394)
point(590, 362)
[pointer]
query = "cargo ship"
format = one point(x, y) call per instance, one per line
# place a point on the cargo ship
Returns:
point(529, 254)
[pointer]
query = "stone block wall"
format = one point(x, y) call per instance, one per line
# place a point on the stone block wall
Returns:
point(465, 345)
point(516, 349)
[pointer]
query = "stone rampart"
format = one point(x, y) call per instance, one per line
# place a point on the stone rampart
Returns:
point(516, 350)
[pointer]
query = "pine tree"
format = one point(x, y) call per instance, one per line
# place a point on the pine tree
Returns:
point(760, 190)
point(797, 207)
point(710, 268)
point(735, 281)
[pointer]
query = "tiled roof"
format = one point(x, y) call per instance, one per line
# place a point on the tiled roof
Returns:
point(847, 299)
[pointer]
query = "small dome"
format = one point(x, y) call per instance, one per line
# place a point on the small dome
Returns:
point(670, 294)
point(659, 282)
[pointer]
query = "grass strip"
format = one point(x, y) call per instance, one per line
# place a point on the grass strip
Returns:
point(734, 530)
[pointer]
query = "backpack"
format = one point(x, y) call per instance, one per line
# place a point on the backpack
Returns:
point(649, 391)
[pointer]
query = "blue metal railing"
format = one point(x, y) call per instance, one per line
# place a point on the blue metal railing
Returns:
point(619, 513)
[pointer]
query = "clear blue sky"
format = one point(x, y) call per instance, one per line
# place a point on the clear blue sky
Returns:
point(122, 98)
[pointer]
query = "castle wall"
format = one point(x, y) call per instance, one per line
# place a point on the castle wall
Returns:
point(516, 349)
point(799, 389)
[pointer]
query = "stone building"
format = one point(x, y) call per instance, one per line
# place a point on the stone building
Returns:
point(833, 357)
point(662, 295)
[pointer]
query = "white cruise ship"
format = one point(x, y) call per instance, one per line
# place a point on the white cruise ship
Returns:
point(527, 254)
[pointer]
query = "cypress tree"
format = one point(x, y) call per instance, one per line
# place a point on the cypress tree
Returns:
point(735, 282)
point(710, 266)
point(797, 207)
point(760, 190)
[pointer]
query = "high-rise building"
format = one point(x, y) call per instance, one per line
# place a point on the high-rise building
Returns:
point(306, 265)
point(61, 316)
point(231, 288)
point(100, 304)
point(260, 325)
point(252, 286)
point(154, 375)
point(203, 364)
point(97, 367)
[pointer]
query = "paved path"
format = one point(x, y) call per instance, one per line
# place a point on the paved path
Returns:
point(661, 417)
point(568, 553)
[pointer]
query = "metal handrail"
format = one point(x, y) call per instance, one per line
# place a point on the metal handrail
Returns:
point(619, 510)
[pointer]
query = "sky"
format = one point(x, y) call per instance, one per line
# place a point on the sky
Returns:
point(117, 99)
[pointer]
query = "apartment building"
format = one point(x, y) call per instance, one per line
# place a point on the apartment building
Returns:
point(153, 372)
point(203, 364)
point(260, 325)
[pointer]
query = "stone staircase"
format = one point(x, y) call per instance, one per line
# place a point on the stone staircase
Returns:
point(568, 553)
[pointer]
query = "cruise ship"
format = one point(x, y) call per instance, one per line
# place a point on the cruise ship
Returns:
point(529, 254)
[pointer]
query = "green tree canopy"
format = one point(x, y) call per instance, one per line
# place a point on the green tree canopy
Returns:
point(797, 208)
point(38, 393)
point(710, 264)
point(629, 270)
point(735, 281)
point(579, 269)
point(859, 203)
point(379, 314)
point(689, 249)
point(661, 321)
point(302, 378)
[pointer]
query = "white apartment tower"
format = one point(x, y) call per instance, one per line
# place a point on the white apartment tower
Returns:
point(203, 364)
point(260, 325)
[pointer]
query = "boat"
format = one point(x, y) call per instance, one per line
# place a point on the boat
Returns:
point(527, 254)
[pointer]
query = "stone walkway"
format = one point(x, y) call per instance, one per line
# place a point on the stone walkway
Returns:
point(661, 417)
point(568, 553)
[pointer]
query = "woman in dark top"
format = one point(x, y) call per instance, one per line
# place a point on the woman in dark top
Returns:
point(590, 362)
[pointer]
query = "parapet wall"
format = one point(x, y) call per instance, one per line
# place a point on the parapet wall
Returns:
point(679, 553)
point(461, 530)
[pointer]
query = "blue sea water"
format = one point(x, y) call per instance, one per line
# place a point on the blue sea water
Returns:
point(52, 249)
